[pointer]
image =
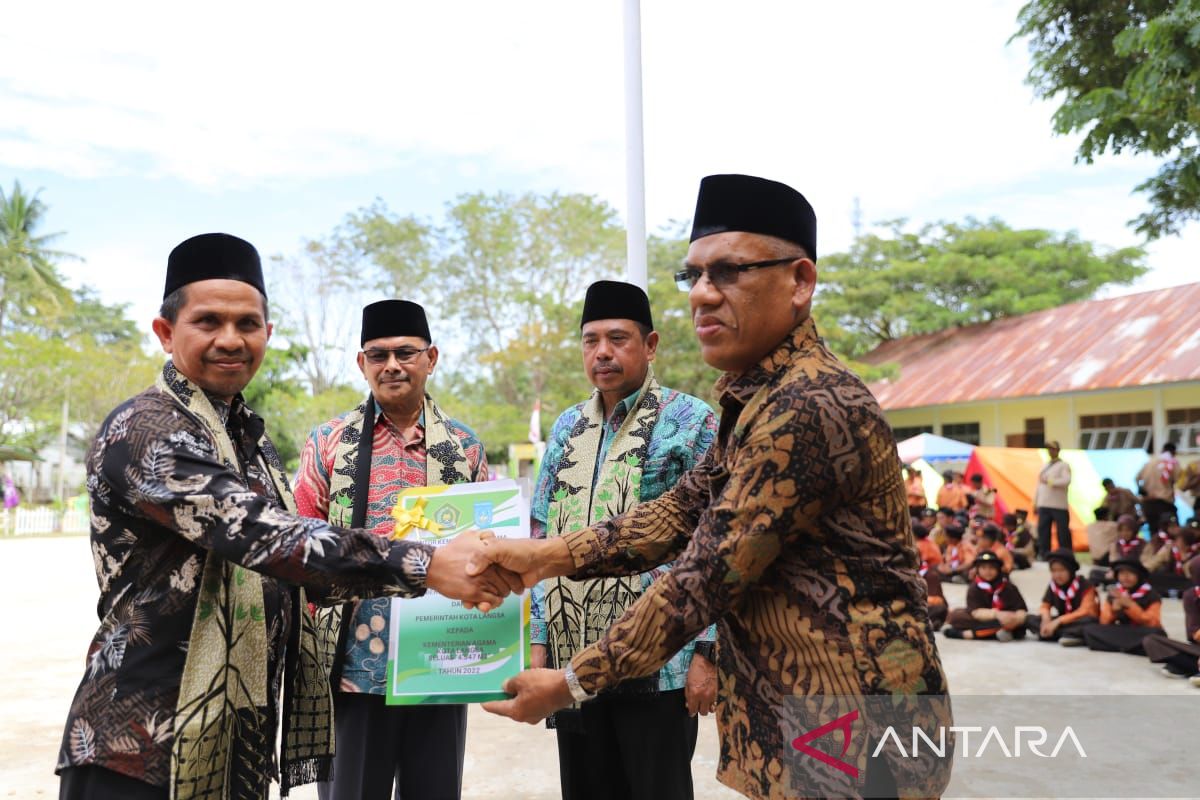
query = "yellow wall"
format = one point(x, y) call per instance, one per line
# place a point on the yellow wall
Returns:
point(999, 419)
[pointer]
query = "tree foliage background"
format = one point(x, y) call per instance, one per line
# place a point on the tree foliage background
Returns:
point(1125, 73)
point(502, 277)
point(56, 343)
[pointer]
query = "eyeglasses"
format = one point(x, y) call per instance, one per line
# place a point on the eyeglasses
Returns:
point(722, 275)
point(381, 355)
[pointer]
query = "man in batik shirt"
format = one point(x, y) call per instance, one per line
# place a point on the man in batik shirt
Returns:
point(630, 442)
point(793, 533)
point(351, 472)
point(203, 568)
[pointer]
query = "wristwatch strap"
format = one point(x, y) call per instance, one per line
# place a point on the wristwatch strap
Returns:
point(577, 692)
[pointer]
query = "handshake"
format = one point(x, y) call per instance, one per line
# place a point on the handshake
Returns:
point(481, 570)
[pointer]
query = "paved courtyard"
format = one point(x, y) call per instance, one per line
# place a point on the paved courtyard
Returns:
point(48, 599)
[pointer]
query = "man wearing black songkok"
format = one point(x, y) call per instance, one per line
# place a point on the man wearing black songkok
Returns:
point(351, 470)
point(793, 535)
point(205, 570)
point(630, 441)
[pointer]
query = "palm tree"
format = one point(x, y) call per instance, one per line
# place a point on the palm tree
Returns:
point(27, 270)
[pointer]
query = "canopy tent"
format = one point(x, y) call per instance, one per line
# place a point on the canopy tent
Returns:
point(928, 447)
point(931, 480)
point(1013, 472)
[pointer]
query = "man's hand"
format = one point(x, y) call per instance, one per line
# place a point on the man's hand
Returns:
point(537, 656)
point(700, 690)
point(533, 559)
point(1048, 628)
point(984, 614)
point(485, 588)
point(537, 693)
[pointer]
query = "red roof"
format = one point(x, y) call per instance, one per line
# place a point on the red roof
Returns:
point(1136, 340)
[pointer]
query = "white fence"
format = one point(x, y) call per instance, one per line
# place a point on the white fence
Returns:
point(26, 521)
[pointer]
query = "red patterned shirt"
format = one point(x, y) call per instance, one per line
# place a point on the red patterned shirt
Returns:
point(397, 462)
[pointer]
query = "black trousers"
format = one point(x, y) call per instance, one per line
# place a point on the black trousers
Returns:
point(633, 747)
point(1182, 657)
point(1061, 519)
point(937, 615)
point(1033, 623)
point(1168, 584)
point(419, 748)
point(97, 783)
point(1119, 638)
point(1153, 511)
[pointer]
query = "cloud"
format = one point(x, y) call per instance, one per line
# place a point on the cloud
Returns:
point(920, 110)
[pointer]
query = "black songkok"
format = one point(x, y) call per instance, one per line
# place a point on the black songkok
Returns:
point(389, 318)
point(616, 300)
point(754, 205)
point(211, 256)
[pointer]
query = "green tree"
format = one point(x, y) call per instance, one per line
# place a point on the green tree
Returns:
point(502, 277)
point(56, 344)
point(678, 364)
point(288, 406)
point(1126, 73)
point(951, 274)
point(28, 277)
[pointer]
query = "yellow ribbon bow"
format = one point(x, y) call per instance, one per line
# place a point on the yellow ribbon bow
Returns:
point(409, 518)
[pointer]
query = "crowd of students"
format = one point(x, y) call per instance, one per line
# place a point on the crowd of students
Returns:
point(959, 542)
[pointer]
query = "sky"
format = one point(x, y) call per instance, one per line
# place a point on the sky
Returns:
point(144, 123)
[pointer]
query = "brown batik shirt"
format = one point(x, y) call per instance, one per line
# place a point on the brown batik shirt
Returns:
point(793, 534)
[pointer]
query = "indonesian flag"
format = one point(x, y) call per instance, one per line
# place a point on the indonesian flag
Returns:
point(535, 422)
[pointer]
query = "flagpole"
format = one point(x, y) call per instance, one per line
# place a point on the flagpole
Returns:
point(635, 165)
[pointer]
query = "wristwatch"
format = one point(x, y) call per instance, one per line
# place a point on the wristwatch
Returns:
point(708, 650)
point(577, 692)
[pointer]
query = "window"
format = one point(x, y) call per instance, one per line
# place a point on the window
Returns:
point(1035, 432)
point(963, 431)
point(1116, 431)
point(1183, 426)
point(911, 431)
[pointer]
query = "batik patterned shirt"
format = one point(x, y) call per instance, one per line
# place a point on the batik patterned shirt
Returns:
point(682, 435)
point(397, 462)
point(794, 534)
point(161, 497)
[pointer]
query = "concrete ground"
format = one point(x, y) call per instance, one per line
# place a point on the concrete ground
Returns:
point(48, 596)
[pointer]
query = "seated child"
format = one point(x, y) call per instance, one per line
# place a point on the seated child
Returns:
point(995, 608)
point(983, 498)
point(957, 558)
point(1127, 545)
point(934, 598)
point(1019, 540)
point(1167, 565)
point(927, 550)
point(1160, 535)
point(1181, 659)
point(1068, 605)
point(1131, 612)
point(943, 517)
point(991, 541)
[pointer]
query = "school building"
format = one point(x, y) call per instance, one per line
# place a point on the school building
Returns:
point(1102, 374)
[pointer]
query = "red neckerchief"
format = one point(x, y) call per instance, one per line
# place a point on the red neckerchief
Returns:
point(1137, 593)
point(952, 556)
point(924, 568)
point(1182, 558)
point(1068, 595)
point(1127, 546)
point(1196, 589)
point(987, 587)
